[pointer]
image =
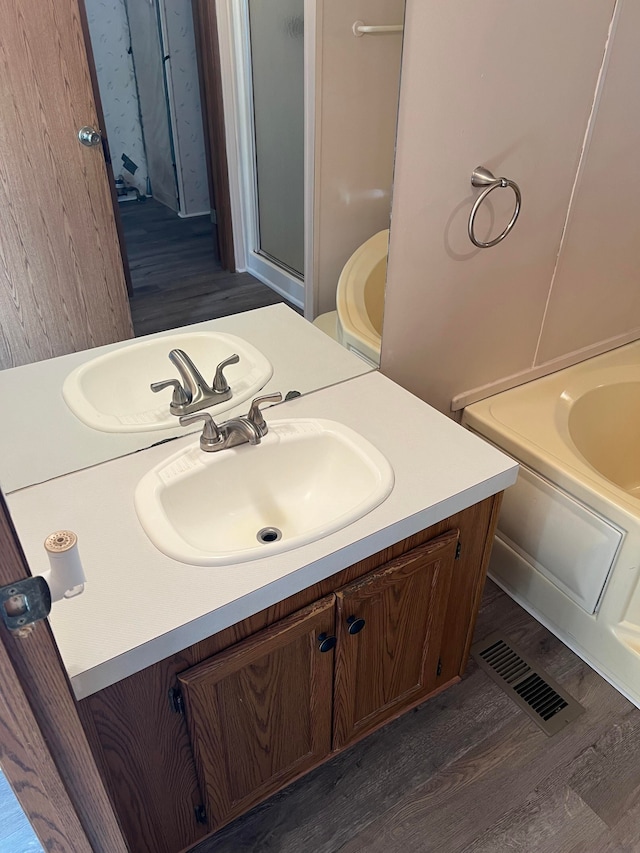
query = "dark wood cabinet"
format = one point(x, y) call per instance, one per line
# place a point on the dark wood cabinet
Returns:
point(259, 714)
point(258, 704)
point(390, 625)
point(263, 712)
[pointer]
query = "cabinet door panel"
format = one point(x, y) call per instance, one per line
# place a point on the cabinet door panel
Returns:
point(259, 713)
point(393, 660)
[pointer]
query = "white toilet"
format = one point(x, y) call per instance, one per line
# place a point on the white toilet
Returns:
point(357, 321)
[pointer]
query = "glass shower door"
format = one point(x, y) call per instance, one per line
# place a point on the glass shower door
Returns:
point(277, 62)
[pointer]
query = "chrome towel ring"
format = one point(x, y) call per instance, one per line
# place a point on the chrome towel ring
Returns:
point(482, 177)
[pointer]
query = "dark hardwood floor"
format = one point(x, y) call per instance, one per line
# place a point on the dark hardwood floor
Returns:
point(468, 772)
point(176, 274)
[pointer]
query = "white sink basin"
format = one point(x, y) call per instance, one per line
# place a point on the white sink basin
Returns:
point(306, 479)
point(111, 393)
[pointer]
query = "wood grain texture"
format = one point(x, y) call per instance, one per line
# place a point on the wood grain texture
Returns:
point(392, 662)
point(93, 74)
point(26, 761)
point(495, 792)
point(621, 838)
point(62, 285)
point(176, 274)
point(142, 748)
point(260, 713)
point(141, 772)
point(44, 751)
point(550, 820)
point(205, 25)
point(467, 584)
point(607, 775)
point(458, 740)
point(341, 798)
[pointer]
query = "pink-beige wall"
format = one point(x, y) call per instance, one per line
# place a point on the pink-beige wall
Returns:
point(357, 84)
point(543, 93)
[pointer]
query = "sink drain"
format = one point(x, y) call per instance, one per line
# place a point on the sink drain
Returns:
point(269, 534)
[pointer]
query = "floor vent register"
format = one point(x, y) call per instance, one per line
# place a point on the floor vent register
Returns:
point(538, 695)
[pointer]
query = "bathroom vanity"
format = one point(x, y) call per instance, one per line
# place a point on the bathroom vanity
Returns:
point(197, 739)
point(204, 689)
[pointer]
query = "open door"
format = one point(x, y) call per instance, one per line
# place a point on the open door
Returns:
point(106, 150)
point(44, 752)
point(62, 284)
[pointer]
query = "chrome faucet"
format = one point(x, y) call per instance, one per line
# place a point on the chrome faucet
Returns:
point(255, 415)
point(193, 394)
point(247, 429)
point(228, 434)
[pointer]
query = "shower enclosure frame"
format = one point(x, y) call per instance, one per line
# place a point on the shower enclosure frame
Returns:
point(235, 71)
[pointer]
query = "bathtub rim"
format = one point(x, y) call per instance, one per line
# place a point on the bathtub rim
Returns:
point(530, 423)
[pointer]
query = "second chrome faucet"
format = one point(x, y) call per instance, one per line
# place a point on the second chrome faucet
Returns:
point(247, 429)
point(193, 394)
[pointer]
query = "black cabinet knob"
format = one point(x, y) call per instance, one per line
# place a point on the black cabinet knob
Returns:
point(355, 625)
point(326, 643)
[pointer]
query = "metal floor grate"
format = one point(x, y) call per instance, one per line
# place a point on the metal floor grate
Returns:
point(527, 684)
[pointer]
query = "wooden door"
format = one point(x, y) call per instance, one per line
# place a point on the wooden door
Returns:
point(259, 714)
point(391, 661)
point(43, 749)
point(62, 285)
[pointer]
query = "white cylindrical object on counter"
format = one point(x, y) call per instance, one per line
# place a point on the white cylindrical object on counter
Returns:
point(66, 577)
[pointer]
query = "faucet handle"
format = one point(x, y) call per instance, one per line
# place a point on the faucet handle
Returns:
point(255, 415)
point(220, 384)
point(180, 396)
point(211, 435)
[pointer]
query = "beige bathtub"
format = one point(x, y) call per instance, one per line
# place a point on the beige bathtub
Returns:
point(568, 541)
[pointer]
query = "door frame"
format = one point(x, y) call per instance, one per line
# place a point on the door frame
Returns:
point(44, 752)
point(312, 101)
point(208, 54)
point(237, 91)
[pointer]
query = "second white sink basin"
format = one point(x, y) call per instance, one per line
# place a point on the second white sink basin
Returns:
point(306, 479)
point(111, 393)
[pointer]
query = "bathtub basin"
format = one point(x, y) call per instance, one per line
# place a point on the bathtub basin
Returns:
point(603, 424)
point(360, 298)
point(568, 541)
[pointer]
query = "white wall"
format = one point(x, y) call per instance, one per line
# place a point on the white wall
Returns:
point(116, 80)
point(357, 83)
point(595, 293)
point(488, 85)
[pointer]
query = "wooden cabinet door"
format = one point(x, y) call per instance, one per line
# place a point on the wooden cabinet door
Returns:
point(259, 714)
point(392, 661)
point(62, 285)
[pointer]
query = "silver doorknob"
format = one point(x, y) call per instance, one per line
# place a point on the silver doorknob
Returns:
point(89, 136)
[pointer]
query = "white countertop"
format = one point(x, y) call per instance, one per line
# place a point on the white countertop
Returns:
point(40, 438)
point(140, 606)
